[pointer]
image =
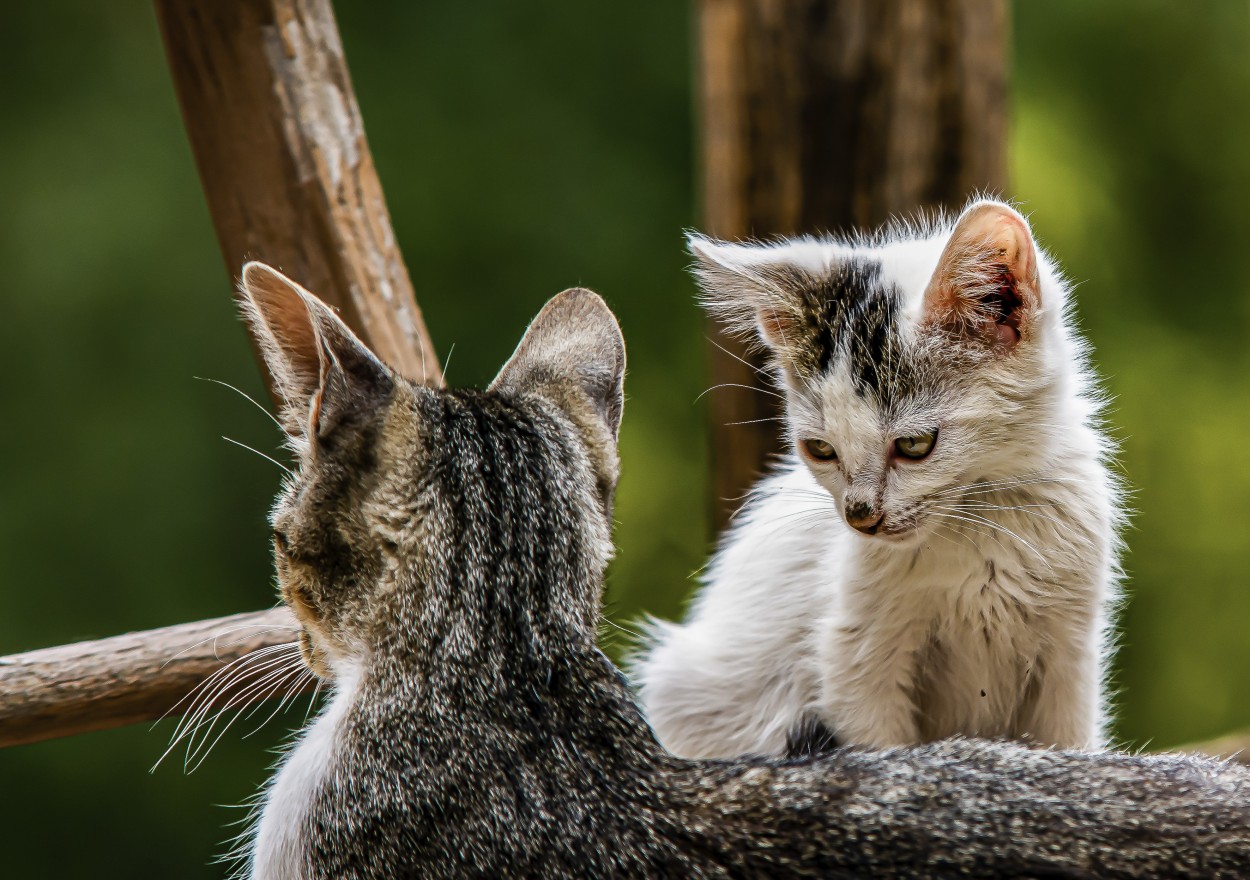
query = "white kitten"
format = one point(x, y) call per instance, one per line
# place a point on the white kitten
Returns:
point(938, 556)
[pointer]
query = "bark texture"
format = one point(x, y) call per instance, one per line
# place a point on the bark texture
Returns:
point(126, 679)
point(280, 146)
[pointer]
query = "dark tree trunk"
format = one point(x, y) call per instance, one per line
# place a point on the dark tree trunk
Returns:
point(823, 115)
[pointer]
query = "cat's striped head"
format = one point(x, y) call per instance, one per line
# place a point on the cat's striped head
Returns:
point(913, 361)
point(422, 522)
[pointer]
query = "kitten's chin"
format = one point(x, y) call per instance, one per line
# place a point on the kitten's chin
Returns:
point(900, 535)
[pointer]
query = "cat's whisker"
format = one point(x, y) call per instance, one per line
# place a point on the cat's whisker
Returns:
point(739, 385)
point(245, 396)
point(224, 672)
point(259, 693)
point(197, 757)
point(294, 689)
point(425, 376)
point(805, 518)
point(257, 630)
point(312, 700)
point(986, 487)
point(447, 360)
point(612, 623)
point(284, 468)
point(939, 531)
point(201, 700)
point(746, 363)
point(972, 526)
point(989, 522)
point(208, 712)
point(1027, 509)
point(755, 421)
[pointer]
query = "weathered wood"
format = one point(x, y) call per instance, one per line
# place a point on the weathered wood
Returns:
point(126, 679)
point(831, 114)
point(280, 145)
point(281, 151)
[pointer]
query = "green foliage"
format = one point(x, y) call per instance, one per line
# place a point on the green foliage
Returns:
point(526, 148)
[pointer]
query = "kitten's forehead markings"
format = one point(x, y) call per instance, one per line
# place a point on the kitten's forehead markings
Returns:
point(853, 316)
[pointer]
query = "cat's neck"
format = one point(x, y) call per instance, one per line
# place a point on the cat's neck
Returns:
point(569, 692)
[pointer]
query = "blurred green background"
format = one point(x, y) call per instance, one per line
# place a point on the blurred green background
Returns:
point(525, 148)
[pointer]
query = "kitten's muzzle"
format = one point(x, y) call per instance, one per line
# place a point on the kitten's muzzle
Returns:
point(864, 518)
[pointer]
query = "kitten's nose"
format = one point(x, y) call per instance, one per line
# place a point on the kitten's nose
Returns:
point(864, 518)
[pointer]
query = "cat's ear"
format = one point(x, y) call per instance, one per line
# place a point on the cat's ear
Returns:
point(322, 372)
point(986, 285)
point(573, 354)
point(748, 286)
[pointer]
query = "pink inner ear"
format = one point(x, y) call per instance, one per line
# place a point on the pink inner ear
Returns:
point(986, 285)
point(775, 327)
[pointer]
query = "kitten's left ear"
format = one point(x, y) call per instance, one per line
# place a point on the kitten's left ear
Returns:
point(986, 284)
point(573, 354)
point(322, 372)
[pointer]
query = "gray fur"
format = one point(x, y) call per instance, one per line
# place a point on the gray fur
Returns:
point(445, 551)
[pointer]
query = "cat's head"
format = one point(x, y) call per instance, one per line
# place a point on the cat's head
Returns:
point(912, 363)
point(421, 520)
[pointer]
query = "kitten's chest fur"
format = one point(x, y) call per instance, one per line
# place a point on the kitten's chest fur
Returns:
point(975, 623)
point(965, 626)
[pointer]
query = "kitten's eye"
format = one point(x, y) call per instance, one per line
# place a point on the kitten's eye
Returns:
point(819, 449)
point(916, 446)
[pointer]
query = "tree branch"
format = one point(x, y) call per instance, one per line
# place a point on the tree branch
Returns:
point(280, 145)
point(126, 679)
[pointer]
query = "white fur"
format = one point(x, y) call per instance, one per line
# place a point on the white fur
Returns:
point(990, 618)
point(279, 849)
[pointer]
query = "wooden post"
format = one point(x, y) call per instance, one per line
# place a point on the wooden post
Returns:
point(280, 145)
point(136, 677)
point(822, 115)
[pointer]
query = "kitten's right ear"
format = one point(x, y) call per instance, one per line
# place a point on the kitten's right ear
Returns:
point(320, 369)
point(743, 286)
point(573, 355)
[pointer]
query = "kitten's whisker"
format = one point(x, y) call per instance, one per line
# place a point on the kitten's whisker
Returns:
point(424, 374)
point(739, 385)
point(989, 522)
point(447, 360)
point(806, 517)
point(986, 487)
point(974, 527)
point(285, 469)
point(312, 701)
point(939, 532)
point(1026, 508)
point(755, 421)
point(299, 667)
point(741, 360)
point(246, 397)
point(626, 630)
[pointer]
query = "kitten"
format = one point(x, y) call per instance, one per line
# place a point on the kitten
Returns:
point(938, 556)
point(444, 553)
